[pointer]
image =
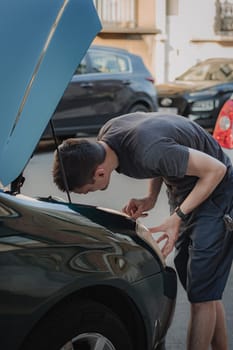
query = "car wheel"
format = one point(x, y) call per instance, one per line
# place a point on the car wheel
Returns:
point(139, 107)
point(84, 326)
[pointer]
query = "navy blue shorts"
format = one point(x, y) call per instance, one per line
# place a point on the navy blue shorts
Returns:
point(204, 250)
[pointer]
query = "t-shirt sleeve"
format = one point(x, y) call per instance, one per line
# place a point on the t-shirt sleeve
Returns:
point(167, 158)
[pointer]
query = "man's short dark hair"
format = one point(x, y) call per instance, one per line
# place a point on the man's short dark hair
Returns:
point(80, 158)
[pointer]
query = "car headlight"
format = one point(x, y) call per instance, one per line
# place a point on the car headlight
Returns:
point(143, 232)
point(203, 106)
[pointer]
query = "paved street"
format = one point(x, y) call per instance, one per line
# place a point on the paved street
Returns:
point(39, 182)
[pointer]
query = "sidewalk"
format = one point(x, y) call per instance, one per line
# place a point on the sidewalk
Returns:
point(176, 336)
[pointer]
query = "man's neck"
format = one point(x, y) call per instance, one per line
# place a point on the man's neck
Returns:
point(111, 159)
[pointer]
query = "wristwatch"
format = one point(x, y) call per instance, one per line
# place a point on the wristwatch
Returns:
point(179, 212)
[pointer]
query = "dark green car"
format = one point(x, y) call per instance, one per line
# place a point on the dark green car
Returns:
point(72, 276)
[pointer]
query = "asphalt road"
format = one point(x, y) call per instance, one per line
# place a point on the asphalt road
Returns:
point(39, 182)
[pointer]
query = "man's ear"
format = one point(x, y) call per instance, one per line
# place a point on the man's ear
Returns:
point(99, 172)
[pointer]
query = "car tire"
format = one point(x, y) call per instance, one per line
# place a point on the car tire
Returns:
point(80, 326)
point(139, 107)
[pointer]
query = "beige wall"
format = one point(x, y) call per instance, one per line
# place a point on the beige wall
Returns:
point(146, 13)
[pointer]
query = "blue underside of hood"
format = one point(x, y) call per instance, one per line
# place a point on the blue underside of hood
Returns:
point(42, 43)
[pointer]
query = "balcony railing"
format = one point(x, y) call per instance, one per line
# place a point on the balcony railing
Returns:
point(117, 13)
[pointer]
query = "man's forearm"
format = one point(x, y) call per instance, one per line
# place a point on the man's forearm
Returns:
point(209, 171)
point(154, 188)
point(202, 190)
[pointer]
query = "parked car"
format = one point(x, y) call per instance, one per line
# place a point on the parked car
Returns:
point(72, 276)
point(108, 82)
point(200, 92)
point(223, 131)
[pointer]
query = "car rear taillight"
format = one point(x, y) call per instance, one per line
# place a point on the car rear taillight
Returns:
point(223, 131)
point(151, 79)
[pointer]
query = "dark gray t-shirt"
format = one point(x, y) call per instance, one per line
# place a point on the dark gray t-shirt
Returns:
point(154, 144)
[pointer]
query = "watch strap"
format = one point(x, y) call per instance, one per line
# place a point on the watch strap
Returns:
point(179, 212)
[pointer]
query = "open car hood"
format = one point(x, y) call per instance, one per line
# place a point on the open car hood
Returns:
point(42, 43)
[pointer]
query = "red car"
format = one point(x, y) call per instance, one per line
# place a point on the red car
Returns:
point(223, 131)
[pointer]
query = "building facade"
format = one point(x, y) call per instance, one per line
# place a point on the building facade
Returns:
point(170, 35)
point(129, 24)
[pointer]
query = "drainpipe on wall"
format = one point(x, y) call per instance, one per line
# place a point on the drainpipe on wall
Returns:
point(161, 42)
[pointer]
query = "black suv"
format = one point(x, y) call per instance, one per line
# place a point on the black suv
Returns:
point(200, 92)
point(108, 82)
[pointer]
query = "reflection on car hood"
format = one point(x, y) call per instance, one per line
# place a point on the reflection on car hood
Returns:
point(42, 42)
point(178, 87)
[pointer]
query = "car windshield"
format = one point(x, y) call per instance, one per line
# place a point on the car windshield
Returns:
point(217, 71)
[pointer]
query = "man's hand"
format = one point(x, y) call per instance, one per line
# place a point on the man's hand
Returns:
point(137, 207)
point(170, 228)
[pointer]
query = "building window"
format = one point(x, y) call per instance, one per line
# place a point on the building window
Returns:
point(224, 17)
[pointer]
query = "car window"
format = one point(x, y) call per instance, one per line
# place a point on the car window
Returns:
point(196, 73)
point(82, 67)
point(105, 62)
point(209, 71)
point(226, 70)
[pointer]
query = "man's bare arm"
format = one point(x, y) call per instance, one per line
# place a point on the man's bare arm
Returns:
point(210, 173)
